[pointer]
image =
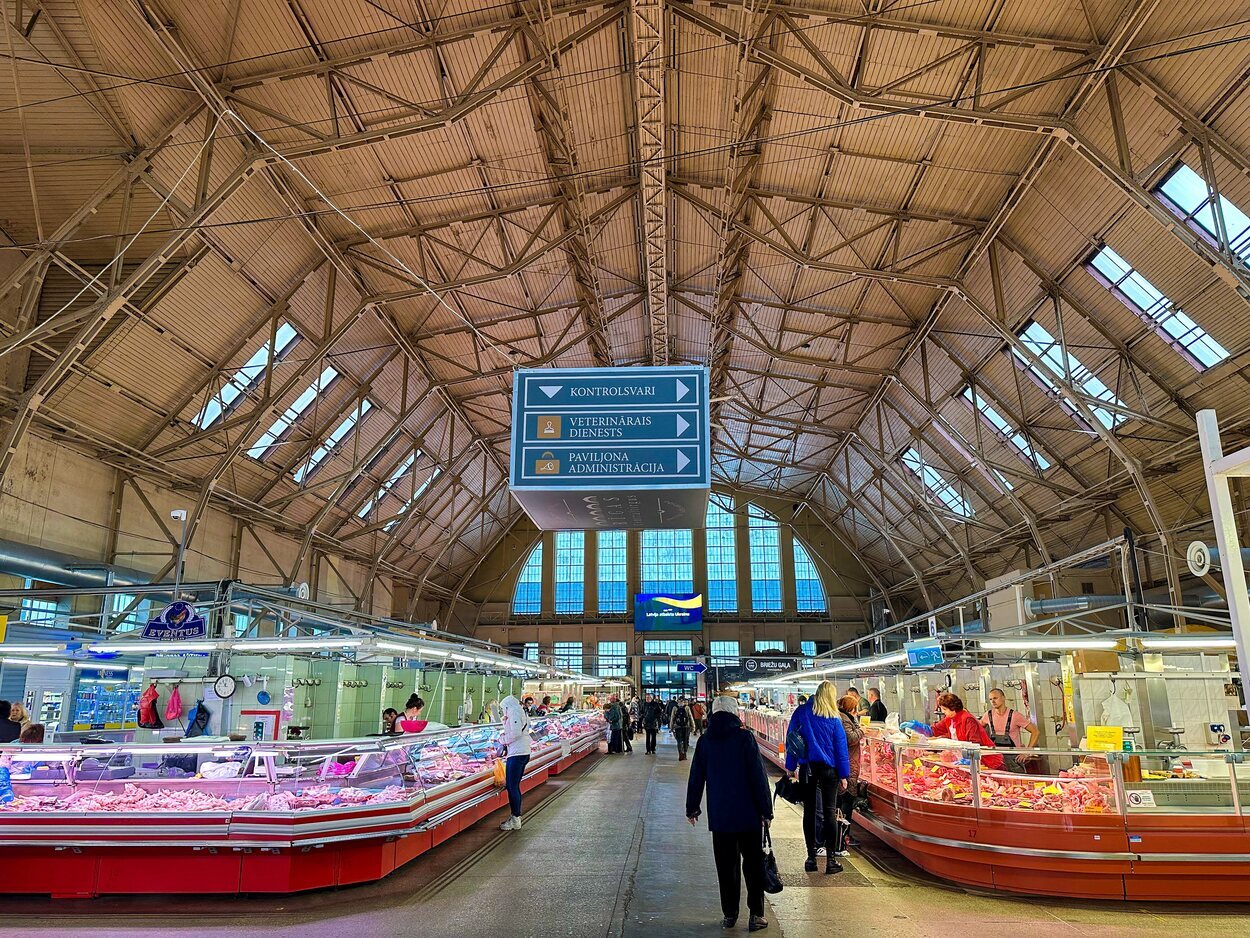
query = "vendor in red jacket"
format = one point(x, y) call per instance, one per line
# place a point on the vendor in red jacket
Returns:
point(958, 723)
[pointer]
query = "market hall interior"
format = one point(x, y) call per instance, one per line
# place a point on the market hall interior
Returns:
point(606, 853)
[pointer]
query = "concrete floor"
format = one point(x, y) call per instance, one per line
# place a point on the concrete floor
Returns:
point(606, 853)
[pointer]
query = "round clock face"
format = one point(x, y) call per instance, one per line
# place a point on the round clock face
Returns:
point(224, 686)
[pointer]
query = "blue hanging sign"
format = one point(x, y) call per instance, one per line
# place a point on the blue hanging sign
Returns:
point(611, 447)
point(176, 622)
point(924, 653)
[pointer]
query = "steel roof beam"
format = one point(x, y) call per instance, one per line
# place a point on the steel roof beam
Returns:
point(647, 28)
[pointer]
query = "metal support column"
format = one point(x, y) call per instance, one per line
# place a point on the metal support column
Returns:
point(1218, 469)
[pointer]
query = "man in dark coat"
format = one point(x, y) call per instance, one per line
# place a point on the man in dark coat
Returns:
point(652, 715)
point(739, 806)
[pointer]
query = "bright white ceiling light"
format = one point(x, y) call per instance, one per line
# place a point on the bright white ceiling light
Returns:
point(1170, 642)
point(298, 644)
point(36, 662)
point(1058, 643)
point(19, 649)
point(92, 666)
point(147, 648)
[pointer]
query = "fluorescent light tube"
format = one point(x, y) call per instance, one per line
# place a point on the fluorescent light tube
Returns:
point(20, 649)
point(1048, 644)
point(1190, 641)
point(298, 644)
point(88, 666)
point(36, 662)
point(123, 648)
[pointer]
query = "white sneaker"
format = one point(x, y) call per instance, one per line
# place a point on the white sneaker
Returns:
point(820, 851)
point(516, 823)
point(843, 853)
point(510, 825)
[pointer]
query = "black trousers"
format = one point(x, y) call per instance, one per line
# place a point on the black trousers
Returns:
point(846, 804)
point(739, 857)
point(683, 740)
point(614, 740)
point(651, 732)
point(822, 793)
point(626, 736)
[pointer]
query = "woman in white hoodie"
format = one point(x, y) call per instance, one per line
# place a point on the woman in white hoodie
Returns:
point(515, 740)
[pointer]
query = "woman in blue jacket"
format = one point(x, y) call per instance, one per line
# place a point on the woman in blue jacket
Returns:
point(819, 725)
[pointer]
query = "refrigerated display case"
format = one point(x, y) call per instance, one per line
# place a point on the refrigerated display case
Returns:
point(216, 816)
point(1158, 825)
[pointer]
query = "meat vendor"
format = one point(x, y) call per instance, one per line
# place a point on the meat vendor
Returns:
point(958, 723)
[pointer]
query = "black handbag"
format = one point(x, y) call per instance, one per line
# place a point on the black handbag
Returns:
point(772, 875)
point(787, 789)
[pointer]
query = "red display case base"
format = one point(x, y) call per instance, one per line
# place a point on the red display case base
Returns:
point(225, 868)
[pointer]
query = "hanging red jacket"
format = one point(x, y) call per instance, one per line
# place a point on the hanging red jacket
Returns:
point(149, 719)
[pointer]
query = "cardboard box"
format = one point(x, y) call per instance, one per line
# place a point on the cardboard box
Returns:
point(1085, 660)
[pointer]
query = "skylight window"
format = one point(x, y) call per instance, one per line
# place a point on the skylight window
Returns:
point(292, 413)
point(1007, 431)
point(247, 377)
point(1186, 194)
point(1155, 309)
point(1045, 347)
point(400, 471)
point(322, 452)
point(415, 498)
point(944, 491)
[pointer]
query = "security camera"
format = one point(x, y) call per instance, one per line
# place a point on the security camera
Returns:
point(178, 514)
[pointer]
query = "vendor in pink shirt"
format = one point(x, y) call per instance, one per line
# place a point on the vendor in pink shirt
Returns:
point(1006, 727)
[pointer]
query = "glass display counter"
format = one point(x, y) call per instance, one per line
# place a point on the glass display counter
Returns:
point(1157, 825)
point(250, 804)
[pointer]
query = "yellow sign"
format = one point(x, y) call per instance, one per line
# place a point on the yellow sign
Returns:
point(549, 427)
point(548, 465)
point(1105, 738)
point(4, 627)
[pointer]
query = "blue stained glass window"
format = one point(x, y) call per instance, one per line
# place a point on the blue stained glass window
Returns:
point(722, 556)
point(530, 651)
point(724, 654)
point(675, 647)
point(613, 659)
point(667, 561)
point(613, 571)
point(1171, 322)
point(567, 656)
point(528, 598)
point(809, 594)
point(765, 548)
point(769, 644)
point(570, 572)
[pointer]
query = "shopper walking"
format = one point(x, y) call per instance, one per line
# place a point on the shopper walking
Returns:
point(613, 715)
point(818, 724)
point(727, 762)
point(515, 740)
point(681, 724)
point(854, 738)
point(700, 715)
point(627, 726)
point(876, 706)
point(652, 714)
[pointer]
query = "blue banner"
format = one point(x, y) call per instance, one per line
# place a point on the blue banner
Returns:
point(668, 612)
point(176, 622)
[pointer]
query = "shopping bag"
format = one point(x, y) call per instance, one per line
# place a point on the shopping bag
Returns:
point(788, 789)
point(772, 875)
point(501, 773)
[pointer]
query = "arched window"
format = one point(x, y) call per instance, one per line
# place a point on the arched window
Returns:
point(528, 598)
point(765, 546)
point(667, 561)
point(722, 556)
point(809, 594)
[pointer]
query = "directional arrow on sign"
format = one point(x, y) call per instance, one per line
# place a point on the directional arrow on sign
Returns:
point(682, 460)
point(697, 668)
point(551, 390)
point(682, 390)
point(682, 424)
